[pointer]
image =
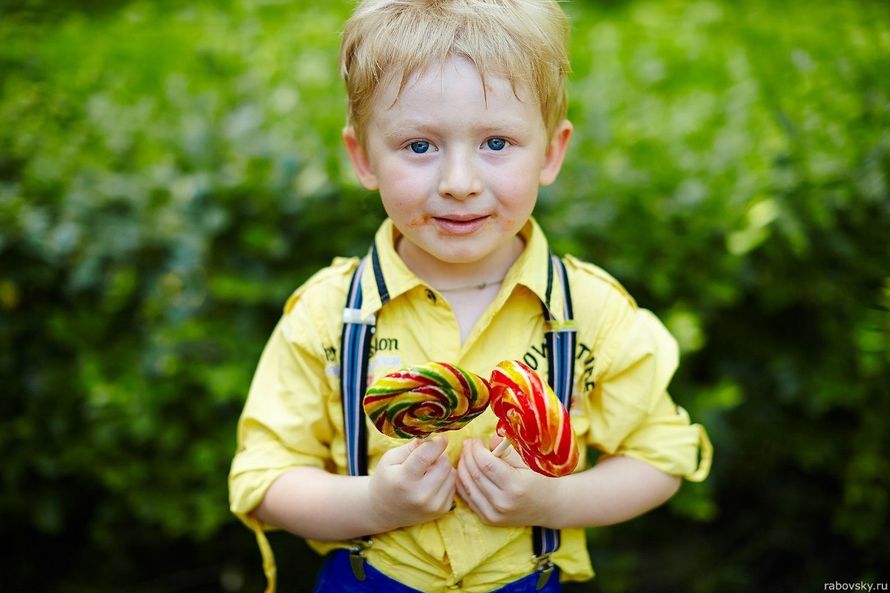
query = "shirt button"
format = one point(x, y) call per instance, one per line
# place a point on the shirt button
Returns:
point(431, 295)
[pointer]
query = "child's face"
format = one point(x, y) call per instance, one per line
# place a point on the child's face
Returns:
point(458, 168)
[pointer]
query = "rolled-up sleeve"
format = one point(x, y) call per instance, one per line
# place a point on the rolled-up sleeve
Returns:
point(285, 422)
point(631, 411)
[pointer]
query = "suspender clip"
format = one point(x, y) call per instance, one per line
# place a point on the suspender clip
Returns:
point(355, 316)
point(555, 325)
point(544, 567)
point(357, 557)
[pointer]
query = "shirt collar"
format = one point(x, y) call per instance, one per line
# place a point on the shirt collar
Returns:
point(530, 270)
point(395, 274)
point(534, 270)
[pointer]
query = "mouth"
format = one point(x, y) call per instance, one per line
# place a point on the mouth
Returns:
point(460, 224)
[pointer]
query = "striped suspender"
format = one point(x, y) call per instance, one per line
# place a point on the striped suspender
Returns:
point(355, 347)
point(355, 342)
point(560, 337)
point(355, 350)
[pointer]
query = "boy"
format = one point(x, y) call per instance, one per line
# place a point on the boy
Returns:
point(457, 116)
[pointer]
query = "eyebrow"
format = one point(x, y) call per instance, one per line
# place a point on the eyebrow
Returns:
point(489, 127)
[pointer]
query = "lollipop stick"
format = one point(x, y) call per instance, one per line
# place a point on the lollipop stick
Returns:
point(501, 449)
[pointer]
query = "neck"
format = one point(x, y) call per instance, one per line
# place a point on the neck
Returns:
point(446, 275)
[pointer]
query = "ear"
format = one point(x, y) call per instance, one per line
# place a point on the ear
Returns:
point(361, 164)
point(556, 152)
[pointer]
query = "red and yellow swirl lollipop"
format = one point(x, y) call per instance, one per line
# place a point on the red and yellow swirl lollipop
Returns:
point(532, 419)
point(432, 397)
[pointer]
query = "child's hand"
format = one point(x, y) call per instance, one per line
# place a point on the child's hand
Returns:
point(504, 491)
point(413, 484)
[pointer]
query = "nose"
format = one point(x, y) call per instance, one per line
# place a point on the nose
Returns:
point(459, 177)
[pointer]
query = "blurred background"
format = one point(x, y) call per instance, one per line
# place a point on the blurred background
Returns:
point(170, 172)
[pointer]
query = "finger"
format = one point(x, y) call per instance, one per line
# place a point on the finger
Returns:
point(513, 459)
point(445, 495)
point(476, 499)
point(398, 455)
point(500, 449)
point(468, 468)
point(484, 468)
point(463, 476)
point(465, 495)
point(509, 454)
point(462, 489)
point(424, 455)
point(437, 473)
point(474, 482)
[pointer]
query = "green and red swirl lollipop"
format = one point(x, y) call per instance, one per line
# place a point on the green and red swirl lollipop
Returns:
point(432, 397)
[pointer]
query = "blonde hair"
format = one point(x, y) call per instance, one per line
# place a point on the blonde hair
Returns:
point(521, 40)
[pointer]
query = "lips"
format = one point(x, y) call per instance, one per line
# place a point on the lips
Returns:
point(460, 224)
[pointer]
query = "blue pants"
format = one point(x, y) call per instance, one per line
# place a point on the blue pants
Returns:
point(336, 577)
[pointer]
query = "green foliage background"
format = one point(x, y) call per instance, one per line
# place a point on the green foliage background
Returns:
point(169, 172)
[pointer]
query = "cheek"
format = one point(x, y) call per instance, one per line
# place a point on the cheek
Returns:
point(518, 186)
point(403, 193)
point(402, 186)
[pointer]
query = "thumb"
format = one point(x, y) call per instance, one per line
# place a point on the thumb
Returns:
point(398, 455)
point(510, 455)
point(424, 455)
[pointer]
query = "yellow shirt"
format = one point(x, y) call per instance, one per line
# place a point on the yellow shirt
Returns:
point(624, 361)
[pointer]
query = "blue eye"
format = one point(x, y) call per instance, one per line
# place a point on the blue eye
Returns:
point(496, 143)
point(419, 146)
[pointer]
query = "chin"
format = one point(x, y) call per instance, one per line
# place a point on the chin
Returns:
point(464, 258)
point(459, 251)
